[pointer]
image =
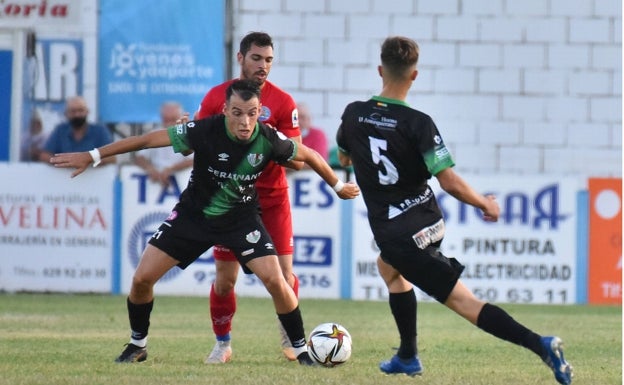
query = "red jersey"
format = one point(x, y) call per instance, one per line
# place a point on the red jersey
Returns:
point(278, 110)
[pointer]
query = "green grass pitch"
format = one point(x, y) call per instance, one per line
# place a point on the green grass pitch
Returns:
point(73, 339)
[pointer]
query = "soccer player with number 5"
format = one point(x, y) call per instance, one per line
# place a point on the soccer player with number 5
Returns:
point(394, 150)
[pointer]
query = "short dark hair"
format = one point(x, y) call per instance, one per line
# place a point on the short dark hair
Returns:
point(399, 54)
point(244, 88)
point(261, 39)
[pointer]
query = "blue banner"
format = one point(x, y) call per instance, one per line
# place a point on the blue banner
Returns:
point(152, 52)
point(6, 69)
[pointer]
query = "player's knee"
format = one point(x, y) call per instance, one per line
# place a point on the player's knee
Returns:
point(223, 287)
point(289, 277)
point(223, 291)
point(141, 283)
point(274, 283)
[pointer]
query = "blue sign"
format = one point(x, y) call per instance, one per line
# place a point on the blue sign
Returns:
point(6, 69)
point(153, 52)
point(312, 251)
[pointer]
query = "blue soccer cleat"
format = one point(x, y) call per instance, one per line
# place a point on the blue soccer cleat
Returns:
point(555, 360)
point(396, 365)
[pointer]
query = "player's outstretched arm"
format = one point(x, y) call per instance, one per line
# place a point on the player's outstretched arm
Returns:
point(81, 160)
point(461, 190)
point(294, 164)
point(319, 165)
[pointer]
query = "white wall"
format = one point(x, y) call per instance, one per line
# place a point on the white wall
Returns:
point(515, 86)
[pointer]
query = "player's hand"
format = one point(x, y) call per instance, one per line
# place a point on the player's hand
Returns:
point(492, 210)
point(349, 191)
point(163, 177)
point(76, 160)
point(183, 119)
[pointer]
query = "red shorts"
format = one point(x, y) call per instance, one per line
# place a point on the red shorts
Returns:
point(277, 219)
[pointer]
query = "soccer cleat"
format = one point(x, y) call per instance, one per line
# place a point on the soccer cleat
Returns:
point(221, 353)
point(287, 348)
point(555, 361)
point(305, 359)
point(396, 365)
point(132, 353)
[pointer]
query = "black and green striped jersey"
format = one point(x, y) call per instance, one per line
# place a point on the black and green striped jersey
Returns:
point(395, 149)
point(225, 169)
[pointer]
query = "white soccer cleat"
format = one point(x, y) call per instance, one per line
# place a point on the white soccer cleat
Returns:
point(221, 353)
point(287, 348)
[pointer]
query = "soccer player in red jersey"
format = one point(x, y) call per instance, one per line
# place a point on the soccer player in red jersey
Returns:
point(279, 110)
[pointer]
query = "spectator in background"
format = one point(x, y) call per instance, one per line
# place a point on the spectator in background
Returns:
point(76, 135)
point(160, 163)
point(32, 143)
point(311, 136)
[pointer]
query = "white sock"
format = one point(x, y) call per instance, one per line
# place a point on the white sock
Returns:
point(300, 350)
point(140, 343)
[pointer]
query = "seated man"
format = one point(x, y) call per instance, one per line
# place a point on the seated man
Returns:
point(76, 134)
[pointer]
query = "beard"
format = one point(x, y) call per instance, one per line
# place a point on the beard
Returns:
point(253, 76)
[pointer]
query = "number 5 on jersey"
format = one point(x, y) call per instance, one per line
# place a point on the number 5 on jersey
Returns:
point(388, 173)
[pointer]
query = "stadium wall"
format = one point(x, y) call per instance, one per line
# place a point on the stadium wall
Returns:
point(518, 87)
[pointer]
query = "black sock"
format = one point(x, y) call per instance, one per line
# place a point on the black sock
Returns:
point(497, 322)
point(139, 316)
point(293, 324)
point(403, 307)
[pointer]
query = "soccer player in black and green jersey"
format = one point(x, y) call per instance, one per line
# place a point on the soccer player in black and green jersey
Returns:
point(394, 150)
point(219, 205)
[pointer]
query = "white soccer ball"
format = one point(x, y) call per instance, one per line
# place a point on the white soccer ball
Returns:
point(329, 344)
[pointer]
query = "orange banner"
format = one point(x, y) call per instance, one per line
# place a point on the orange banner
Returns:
point(605, 241)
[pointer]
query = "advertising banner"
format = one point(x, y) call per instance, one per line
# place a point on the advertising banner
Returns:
point(151, 53)
point(528, 256)
point(55, 231)
point(605, 241)
point(40, 13)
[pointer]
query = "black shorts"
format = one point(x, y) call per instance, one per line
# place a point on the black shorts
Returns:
point(428, 269)
point(185, 235)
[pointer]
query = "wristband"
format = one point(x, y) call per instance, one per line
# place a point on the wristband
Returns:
point(338, 186)
point(97, 158)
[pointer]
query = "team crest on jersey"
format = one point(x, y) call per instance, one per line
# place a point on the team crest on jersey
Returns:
point(255, 159)
point(265, 114)
point(253, 237)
